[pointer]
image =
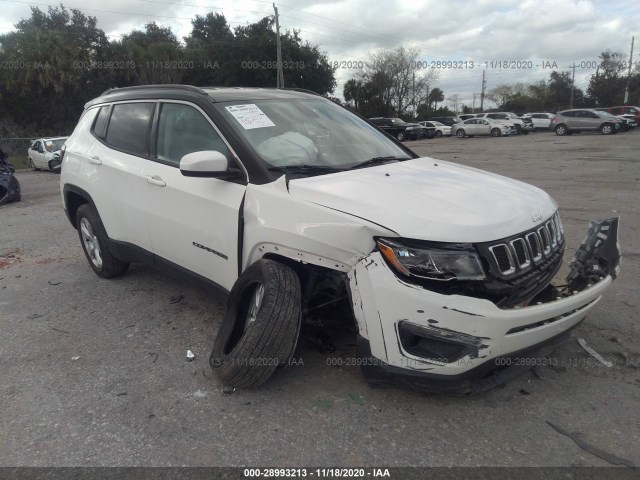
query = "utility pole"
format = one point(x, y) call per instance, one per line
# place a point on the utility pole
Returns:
point(484, 84)
point(413, 101)
point(280, 78)
point(473, 105)
point(626, 88)
point(573, 78)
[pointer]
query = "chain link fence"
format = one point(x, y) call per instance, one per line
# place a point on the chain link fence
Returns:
point(16, 151)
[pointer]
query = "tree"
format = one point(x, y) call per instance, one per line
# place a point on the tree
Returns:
point(500, 95)
point(606, 87)
point(454, 102)
point(435, 96)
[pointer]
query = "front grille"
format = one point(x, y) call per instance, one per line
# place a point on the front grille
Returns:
point(520, 253)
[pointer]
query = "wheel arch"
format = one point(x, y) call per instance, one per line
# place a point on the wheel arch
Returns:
point(74, 198)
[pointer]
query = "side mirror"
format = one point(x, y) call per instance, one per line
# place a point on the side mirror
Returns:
point(207, 163)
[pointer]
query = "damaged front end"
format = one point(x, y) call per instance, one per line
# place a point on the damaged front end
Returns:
point(9, 185)
point(462, 334)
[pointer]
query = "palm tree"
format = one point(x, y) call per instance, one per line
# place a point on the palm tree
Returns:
point(435, 96)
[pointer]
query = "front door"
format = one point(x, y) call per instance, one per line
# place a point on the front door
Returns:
point(192, 221)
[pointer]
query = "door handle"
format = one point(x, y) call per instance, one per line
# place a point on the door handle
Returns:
point(155, 180)
point(95, 160)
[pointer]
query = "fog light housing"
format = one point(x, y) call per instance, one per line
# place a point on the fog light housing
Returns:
point(436, 344)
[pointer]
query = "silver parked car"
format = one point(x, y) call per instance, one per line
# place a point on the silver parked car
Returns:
point(584, 120)
point(480, 126)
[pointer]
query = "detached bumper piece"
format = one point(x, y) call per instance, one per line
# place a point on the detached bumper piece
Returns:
point(597, 257)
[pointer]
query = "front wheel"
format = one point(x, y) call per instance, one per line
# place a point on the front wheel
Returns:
point(561, 130)
point(496, 132)
point(460, 133)
point(94, 240)
point(606, 129)
point(438, 133)
point(261, 326)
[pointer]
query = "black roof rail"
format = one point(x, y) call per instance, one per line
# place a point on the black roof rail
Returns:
point(189, 88)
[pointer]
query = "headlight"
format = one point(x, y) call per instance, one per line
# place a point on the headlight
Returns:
point(445, 262)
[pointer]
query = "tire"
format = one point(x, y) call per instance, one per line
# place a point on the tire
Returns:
point(438, 133)
point(401, 136)
point(252, 343)
point(562, 130)
point(94, 241)
point(33, 165)
point(518, 129)
point(495, 132)
point(50, 164)
point(606, 129)
point(460, 133)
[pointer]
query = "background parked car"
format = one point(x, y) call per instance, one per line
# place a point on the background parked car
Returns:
point(447, 120)
point(427, 131)
point(440, 129)
point(584, 120)
point(499, 117)
point(44, 153)
point(626, 110)
point(396, 127)
point(467, 116)
point(540, 120)
point(631, 120)
point(480, 126)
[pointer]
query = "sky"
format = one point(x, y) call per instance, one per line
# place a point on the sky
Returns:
point(534, 36)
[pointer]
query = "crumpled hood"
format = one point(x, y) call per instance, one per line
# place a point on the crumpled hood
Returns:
point(431, 199)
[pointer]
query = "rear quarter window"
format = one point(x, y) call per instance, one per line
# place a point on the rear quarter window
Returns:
point(100, 125)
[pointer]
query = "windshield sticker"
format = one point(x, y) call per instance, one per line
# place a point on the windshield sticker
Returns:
point(250, 116)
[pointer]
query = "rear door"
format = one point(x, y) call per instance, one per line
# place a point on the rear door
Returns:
point(113, 165)
point(192, 222)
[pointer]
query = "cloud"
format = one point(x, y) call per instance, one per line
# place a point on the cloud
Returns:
point(560, 31)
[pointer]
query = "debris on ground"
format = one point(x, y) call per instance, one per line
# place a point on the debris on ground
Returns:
point(228, 390)
point(33, 316)
point(190, 356)
point(176, 299)
point(76, 357)
point(593, 353)
point(522, 391)
point(355, 398)
point(54, 283)
point(586, 446)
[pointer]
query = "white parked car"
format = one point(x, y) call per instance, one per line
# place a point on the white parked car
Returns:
point(541, 120)
point(499, 118)
point(441, 128)
point(44, 153)
point(301, 211)
point(481, 126)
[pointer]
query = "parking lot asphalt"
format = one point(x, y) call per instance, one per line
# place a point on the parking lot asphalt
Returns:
point(93, 372)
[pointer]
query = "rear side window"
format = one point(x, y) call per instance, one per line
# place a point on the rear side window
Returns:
point(129, 126)
point(100, 125)
point(181, 130)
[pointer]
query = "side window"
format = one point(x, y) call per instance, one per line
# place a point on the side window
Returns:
point(100, 125)
point(181, 130)
point(34, 146)
point(129, 126)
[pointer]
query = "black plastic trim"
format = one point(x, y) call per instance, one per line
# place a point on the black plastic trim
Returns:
point(478, 380)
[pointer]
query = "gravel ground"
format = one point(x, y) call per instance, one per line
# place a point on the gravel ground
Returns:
point(93, 371)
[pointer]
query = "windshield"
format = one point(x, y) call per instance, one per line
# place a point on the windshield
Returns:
point(604, 114)
point(438, 124)
point(54, 145)
point(397, 120)
point(314, 133)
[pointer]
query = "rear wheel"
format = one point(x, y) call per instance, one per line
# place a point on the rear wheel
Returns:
point(33, 165)
point(496, 132)
point(94, 240)
point(261, 326)
point(460, 133)
point(401, 136)
point(438, 133)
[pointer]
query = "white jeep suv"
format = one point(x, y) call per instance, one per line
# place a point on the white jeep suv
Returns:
point(301, 210)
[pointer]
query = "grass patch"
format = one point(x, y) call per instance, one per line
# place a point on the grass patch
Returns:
point(19, 162)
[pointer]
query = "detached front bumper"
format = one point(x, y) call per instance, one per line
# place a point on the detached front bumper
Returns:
point(475, 344)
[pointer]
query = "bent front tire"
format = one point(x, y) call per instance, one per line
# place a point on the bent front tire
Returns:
point(261, 326)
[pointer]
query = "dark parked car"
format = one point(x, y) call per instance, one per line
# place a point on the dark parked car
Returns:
point(449, 120)
point(396, 127)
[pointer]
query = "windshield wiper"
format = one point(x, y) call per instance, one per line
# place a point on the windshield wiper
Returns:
point(306, 169)
point(377, 161)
